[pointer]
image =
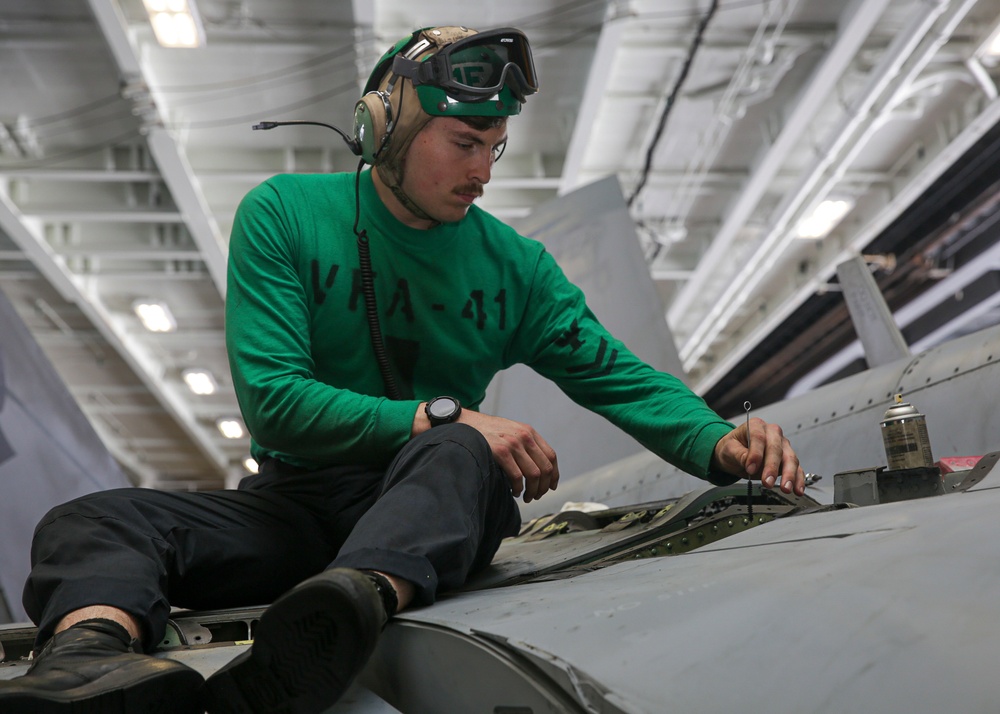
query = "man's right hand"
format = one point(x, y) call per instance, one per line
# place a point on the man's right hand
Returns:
point(522, 453)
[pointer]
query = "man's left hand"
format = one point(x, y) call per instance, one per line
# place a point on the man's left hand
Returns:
point(760, 450)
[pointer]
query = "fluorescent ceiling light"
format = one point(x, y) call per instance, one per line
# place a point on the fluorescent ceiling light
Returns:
point(200, 381)
point(230, 428)
point(251, 465)
point(155, 315)
point(993, 47)
point(989, 51)
point(176, 23)
point(824, 218)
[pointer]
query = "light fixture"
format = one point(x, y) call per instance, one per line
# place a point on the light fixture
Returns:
point(200, 381)
point(155, 315)
point(824, 218)
point(230, 428)
point(992, 48)
point(176, 23)
point(988, 51)
point(251, 465)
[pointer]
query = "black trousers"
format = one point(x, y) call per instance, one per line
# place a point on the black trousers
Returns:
point(434, 516)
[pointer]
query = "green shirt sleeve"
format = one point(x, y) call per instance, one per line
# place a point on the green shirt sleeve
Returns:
point(561, 339)
point(289, 413)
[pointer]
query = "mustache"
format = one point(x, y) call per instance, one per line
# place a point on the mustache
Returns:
point(472, 188)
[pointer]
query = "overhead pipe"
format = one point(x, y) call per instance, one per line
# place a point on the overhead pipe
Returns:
point(911, 46)
point(861, 17)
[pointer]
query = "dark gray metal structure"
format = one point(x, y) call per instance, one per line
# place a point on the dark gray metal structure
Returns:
point(49, 451)
point(889, 608)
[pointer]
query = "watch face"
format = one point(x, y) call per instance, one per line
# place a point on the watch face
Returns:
point(442, 407)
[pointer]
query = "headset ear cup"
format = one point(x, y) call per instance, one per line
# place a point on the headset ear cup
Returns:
point(370, 119)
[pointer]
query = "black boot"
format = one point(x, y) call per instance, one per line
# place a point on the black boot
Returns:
point(93, 667)
point(308, 648)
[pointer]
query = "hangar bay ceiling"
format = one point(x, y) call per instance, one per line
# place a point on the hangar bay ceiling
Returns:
point(730, 125)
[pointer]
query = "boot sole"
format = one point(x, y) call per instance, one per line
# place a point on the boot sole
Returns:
point(308, 647)
point(170, 690)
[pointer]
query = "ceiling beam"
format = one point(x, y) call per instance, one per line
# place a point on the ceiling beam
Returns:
point(26, 235)
point(598, 83)
point(81, 175)
point(163, 145)
point(914, 47)
point(858, 20)
point(900, 202)
point(188, 196)
point(61, 215)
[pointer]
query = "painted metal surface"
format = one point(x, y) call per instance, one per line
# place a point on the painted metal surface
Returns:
point(592, 236)
point(49, 451)
point(887, 608)
point(880, 336)
point(890, 608)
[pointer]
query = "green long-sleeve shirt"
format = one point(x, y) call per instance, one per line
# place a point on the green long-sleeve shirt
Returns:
point(457, 303)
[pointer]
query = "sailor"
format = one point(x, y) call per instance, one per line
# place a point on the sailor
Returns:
point(366, 314)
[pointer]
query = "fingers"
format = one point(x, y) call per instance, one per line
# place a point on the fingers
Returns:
point(772, 447)
point(771, 455)
point(798, 483)
point(525, 457)
point(754, 438)
point(528, 461)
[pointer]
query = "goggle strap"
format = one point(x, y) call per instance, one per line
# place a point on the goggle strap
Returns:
point(417, 72)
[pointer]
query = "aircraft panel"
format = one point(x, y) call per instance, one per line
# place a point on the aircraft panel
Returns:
point(889, 608)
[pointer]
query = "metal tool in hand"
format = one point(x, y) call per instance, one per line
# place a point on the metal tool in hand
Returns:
point(746, 406)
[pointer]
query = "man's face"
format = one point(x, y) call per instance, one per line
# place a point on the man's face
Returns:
point(447, 166)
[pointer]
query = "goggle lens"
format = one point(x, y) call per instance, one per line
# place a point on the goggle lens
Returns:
point(487, 63)
point(477, 68)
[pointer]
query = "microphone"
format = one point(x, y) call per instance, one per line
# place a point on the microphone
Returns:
point(352, 144)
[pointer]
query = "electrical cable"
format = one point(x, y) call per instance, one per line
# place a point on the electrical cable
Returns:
point(250, 81)
point(48, 134)
point(548, 16)
point(668, 14)
point(574, 36)
point(364, 260)
point(368, 291)
point(529, 21)
point(351, 143)
point(224, 95)
point(73, 154)
point(274, 75)
point(661, 125)
point(308, 101)
point(76, 111)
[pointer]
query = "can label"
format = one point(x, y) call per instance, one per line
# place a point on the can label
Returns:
point(907, 445)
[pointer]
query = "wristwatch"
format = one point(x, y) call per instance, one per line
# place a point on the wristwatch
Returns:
point(442, 410)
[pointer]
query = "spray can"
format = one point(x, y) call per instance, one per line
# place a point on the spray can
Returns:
point(904, 434)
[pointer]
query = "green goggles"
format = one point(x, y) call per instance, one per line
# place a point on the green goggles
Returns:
point(476, 68)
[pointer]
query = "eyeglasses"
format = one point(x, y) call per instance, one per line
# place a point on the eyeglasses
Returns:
point(476, 68)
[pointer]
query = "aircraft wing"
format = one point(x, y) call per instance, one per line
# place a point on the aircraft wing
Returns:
point(693, 604)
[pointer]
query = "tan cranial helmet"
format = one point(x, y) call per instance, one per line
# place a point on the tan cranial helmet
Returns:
point(438, 71)
point(408, 115)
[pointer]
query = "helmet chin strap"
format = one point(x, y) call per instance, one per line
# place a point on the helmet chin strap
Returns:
point(389, 178)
